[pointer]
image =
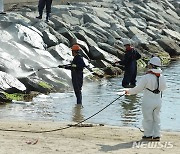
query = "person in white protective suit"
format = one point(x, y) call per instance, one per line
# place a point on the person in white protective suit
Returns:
point(152, 84)
point(2, 7)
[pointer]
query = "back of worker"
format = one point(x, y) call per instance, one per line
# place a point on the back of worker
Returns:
point(152, 84)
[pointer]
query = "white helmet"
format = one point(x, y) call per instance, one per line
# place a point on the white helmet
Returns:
point(155, 61)
point(126, 41)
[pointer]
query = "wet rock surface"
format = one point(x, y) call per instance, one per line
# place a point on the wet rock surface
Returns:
point(29, 45)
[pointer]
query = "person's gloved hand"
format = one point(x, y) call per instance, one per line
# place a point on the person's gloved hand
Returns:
point(74, 65)
point(127, 92)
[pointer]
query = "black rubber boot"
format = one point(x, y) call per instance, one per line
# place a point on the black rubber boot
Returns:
point(39, 17)
point(47, 17)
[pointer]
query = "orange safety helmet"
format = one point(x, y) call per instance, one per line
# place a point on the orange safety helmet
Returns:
point(75, 47)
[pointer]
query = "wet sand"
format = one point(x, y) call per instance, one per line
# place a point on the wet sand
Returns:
point(81, 140)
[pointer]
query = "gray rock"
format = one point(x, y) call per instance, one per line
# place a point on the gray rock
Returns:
point(169, 18)
point(155, 6)
point(117, 26)
point(99, 54)
point(137, 8)
point(89, 18)
point(61, 52)
point(122, 35)
point(77, 13)
point(170, 46)
point(27, 35)
point(84, 52)
point(151, 33)
point(172, 13)
point(119, 15)
point(139, 23)
point(41, 26)
point(5, 36)
point(15, 18)
point(49, 39)
point(70, 19)
point(100, 36)
point(173, 34)
point(88, 32)
point(8, 61)
point(152, 49)
point(138, 36)
point(7, 82)
point(173, 27)
point(67, 34)
point(130, 11)
point(45, 55)
point(81, 35)
point(124, 12)
point(150, 18)
point(99, 30)
point(58, 22)
point(102, 15)
point(167, 4)
point(61, 38)
point(110, 49)
point(114, 35)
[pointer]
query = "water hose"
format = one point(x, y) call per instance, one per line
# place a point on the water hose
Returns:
point(58, 129)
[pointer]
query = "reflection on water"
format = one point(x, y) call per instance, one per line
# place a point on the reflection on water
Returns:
point(96, 95)
point(77, 113)
point(131, 109)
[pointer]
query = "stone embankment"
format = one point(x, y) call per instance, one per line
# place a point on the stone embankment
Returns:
point(29, 44)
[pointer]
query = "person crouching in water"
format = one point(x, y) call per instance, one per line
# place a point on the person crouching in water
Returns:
point(76, 68)
point(153, 83)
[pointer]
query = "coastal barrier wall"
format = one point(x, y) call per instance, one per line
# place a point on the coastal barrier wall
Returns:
point(9, 3)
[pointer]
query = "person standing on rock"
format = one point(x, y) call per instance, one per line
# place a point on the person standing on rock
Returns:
point(130, 65)
point(41, 5)
point(152, 84)
point(76, 68)
point(2, 7)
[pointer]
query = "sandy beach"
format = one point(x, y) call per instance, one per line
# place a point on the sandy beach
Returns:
point(80, 140)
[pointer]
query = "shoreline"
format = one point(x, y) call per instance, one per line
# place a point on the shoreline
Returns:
point(88, 123)
point(79, 140)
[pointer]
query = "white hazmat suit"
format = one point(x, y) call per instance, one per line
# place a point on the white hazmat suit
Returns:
point(151, 102)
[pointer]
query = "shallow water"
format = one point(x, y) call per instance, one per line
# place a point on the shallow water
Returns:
point(96, 95)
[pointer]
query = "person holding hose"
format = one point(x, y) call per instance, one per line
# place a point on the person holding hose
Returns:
point(152, 83)
point(76, 68)
point(130, 64)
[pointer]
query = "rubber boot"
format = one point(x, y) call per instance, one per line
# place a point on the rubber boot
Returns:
point(47, 17)
point(40, 16)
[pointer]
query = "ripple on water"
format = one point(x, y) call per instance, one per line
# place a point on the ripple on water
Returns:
point(96, 95)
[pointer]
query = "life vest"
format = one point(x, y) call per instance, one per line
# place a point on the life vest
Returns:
point(156, 91)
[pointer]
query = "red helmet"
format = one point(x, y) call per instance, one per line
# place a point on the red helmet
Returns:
point(75, 47)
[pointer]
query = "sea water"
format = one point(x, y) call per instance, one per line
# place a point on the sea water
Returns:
point(126, 111)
